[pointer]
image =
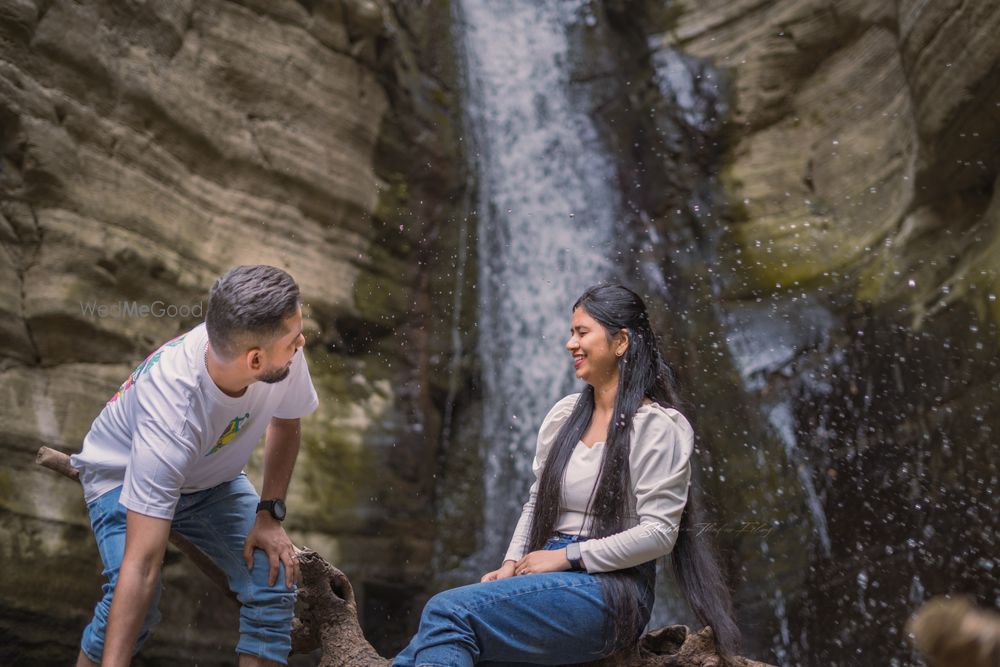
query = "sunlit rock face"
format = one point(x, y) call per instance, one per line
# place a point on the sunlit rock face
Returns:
point(148, 147)
point(835, 310)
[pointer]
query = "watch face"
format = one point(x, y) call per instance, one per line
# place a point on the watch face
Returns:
point(279, 510)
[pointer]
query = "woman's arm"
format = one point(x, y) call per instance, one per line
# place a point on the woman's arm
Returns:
point(546, 437)
point(662, 444)
point(519, 541)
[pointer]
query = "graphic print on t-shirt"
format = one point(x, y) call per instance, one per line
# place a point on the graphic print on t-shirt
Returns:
point(231, 430)
point(146, 366)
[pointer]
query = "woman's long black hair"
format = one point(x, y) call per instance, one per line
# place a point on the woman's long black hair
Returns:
point(642, 374)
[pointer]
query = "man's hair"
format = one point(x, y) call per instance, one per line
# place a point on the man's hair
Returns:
point(247, 308)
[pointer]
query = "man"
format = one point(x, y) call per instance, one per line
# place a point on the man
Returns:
point(168, 451)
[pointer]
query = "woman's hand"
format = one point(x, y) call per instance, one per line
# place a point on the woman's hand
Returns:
point(538, 562)
point(506, 570)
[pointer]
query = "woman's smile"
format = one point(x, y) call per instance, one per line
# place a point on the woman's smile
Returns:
point(594, 359)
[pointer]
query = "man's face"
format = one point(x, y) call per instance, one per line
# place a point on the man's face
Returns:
point(279, 354)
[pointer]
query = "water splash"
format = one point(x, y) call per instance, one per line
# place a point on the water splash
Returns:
point(862, 580)
point(782, 643)
point(782, 421)
point(764, 338)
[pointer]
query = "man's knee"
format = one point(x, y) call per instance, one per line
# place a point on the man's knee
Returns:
point(266, 613)
point(258, 591)
point(271, 606)
point(266, 629)
point(92, 642)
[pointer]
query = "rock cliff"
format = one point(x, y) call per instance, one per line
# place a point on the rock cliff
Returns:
point(144, 149)
point(849, 266)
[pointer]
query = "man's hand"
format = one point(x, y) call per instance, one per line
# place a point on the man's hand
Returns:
point(269, 536)
point(505, 570)
point(538, 562)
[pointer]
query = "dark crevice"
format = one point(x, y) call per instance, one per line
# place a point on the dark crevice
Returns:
point(13, 158)
point(22, 274)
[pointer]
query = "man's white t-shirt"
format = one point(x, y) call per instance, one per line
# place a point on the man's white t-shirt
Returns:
point(170, 430)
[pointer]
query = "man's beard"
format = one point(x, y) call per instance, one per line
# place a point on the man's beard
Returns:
point(274, 375)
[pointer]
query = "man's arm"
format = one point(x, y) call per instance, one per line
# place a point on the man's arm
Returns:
point(280, 451)
point(145, 544)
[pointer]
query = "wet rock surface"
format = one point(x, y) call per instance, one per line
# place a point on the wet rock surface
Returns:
point(844, 290)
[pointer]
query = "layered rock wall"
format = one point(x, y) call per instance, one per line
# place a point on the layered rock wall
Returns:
point(850, 266)
point(148, 147)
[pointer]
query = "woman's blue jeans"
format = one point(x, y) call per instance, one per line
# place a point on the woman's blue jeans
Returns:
point(556, 618)
point(217, 521)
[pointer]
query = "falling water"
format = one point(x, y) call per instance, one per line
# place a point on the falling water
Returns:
point(782, 420)
point(547, 207)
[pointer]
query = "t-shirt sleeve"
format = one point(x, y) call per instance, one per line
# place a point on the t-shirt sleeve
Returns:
point(661, 469)
point(300, 396)
point(157, 467)
point(546, 437)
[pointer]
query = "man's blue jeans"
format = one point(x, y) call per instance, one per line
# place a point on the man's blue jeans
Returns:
point(217, 521)
point(555, 618)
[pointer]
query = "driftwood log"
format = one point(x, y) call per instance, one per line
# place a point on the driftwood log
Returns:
point(327, 614)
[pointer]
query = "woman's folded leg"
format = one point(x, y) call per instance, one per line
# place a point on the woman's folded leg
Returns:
point(553, 618)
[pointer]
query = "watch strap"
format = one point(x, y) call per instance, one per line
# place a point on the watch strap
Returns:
point(270, 506)
point(574, 556)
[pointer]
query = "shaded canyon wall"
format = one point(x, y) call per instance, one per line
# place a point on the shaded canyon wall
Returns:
point(832, 287)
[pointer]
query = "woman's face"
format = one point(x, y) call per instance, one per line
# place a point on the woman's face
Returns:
point(595, 358)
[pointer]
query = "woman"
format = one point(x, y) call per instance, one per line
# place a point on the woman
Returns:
point(610, 496)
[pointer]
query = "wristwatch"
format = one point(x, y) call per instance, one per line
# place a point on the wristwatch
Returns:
point(276, 507)
point(574, 557)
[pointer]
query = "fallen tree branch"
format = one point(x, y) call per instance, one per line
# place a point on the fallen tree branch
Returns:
point(327, 613)
point(56, 460)
point(329, 610)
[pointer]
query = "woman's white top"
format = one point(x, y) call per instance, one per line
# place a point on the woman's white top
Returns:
point(660, 472)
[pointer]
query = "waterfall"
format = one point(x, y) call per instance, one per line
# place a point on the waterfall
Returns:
point(547, 208)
